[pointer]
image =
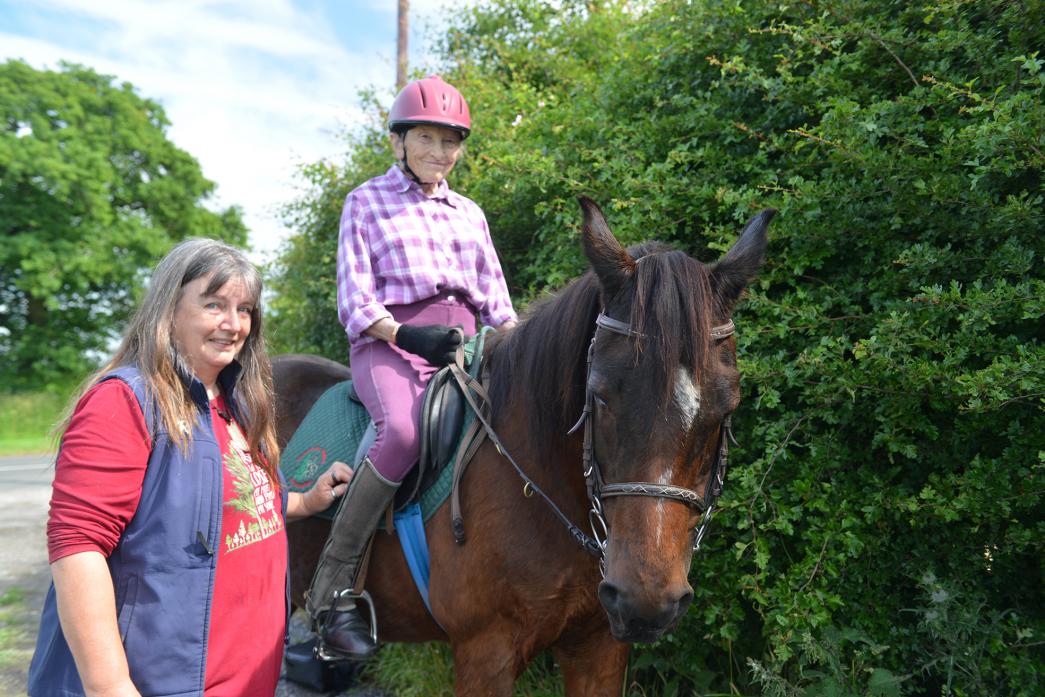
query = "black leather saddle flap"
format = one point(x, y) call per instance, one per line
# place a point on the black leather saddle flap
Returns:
point(442, 416)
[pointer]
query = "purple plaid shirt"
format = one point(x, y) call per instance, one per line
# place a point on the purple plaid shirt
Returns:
point(399, 246)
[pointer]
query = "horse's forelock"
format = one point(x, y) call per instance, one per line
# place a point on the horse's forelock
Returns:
point(541, 366)
point(673, 309)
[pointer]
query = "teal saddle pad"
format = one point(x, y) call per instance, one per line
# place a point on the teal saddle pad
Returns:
point(336, 424)
point(330, 431)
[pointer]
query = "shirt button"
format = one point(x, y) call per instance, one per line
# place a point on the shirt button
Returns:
point(450, 298)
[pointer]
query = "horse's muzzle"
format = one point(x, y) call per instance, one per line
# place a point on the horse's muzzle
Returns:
point(632, 620)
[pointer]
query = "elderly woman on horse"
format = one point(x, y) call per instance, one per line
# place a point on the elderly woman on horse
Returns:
point(415, 260)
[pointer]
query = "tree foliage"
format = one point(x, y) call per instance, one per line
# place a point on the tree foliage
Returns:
point(882, 529)
point(304, 277)
point(92, 193)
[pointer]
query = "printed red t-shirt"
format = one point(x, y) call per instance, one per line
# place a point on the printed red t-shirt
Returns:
point(98, 480)
point(245, 647)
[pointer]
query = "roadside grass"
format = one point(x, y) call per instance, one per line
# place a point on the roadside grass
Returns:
point(426, 670)
point(26, 420)
point(16, 646)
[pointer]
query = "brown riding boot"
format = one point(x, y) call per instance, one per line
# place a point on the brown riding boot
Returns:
point(343, 633)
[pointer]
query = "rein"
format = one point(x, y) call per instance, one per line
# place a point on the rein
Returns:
point(474, 438)
point(596, 486)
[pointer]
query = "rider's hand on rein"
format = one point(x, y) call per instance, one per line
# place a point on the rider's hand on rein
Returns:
point(436, 343)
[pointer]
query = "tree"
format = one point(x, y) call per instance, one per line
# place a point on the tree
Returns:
point(92, 193)
point(304, 277)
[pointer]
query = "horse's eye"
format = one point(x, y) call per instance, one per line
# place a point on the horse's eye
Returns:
point(599, 401)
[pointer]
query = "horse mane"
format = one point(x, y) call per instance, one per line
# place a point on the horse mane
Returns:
point(541, 365)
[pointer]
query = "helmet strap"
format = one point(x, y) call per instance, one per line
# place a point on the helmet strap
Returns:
point(401, 131)
point(405, 164)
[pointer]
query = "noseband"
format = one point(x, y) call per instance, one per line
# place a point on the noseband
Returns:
point(598, 489)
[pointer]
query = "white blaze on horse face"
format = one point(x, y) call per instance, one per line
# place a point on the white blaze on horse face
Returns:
point(687, 397)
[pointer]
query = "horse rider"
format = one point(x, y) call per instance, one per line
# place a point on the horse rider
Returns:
point(415, 259)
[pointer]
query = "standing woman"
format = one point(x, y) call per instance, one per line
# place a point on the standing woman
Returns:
point(166, 532)
point(414, 260)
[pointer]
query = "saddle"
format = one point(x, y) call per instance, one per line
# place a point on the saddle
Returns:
point(338, 427)
point(443, 409)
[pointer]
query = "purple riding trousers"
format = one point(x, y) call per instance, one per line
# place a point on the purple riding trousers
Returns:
point(391, 382)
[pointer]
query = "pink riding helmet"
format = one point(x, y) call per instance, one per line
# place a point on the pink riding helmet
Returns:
point(430, 101)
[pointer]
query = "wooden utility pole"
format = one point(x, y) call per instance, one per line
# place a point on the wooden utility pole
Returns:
point(401, 64)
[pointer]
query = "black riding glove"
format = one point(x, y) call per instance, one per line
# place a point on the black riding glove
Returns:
point(436, 343)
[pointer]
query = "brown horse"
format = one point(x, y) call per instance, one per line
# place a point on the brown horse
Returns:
point(641, 347)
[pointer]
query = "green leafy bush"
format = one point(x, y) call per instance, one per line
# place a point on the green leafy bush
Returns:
point(891, 351)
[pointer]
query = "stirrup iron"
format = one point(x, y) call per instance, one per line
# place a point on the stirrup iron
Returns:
point(320, 649)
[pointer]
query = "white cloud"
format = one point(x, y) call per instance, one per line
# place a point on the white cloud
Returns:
point(252, 87)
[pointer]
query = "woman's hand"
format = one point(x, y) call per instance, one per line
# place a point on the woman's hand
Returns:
point(329, 487)
point(436, 343)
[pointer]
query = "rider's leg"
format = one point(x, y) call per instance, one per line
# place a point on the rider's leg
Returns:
point(390, 383)
point(345, 634)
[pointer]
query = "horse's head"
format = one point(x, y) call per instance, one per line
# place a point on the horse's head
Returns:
point(662, 380)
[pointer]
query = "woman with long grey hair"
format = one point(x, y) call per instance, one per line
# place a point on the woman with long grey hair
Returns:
point(166, 532)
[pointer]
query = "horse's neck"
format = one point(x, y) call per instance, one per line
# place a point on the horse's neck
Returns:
point(564, 467)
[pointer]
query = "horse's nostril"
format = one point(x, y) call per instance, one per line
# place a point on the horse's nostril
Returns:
point(684, 600)
point(610, 596)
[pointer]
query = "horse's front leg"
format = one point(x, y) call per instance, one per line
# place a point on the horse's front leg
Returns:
point(593, 664)
point(486, 665)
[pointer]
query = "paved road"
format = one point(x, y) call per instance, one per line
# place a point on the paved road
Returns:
point(25, 490)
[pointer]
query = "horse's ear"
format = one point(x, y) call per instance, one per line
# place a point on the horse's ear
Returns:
point(610, 261)
point(731, 274)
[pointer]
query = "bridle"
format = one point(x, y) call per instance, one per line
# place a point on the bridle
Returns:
point(598, 489)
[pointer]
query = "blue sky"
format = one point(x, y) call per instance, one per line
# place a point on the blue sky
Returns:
point(252, 88)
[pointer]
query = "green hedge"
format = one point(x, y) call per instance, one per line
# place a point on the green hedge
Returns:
point(882, 529)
